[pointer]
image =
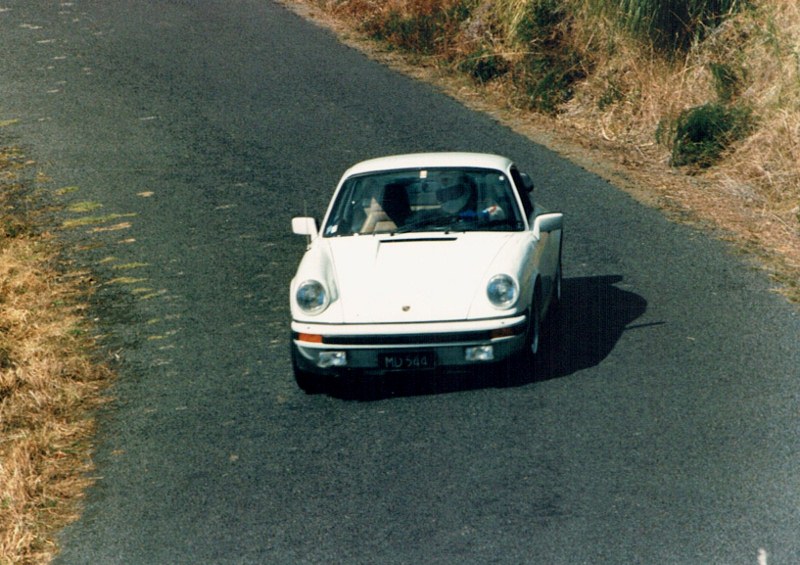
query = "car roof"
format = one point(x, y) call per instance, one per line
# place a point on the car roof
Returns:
point(430, 160)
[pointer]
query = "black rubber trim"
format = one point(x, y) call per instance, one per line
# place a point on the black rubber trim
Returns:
point(416, 339)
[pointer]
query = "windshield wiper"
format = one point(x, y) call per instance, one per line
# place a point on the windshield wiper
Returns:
point(443, 224)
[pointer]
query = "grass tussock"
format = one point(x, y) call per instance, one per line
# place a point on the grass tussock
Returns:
point(49, 379)
point(703, 96)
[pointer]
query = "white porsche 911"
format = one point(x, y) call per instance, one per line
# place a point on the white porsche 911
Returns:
point(424, 261)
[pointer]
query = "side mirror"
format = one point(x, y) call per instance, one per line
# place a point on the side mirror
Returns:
point(547, 223)
point(527, 182)
point(305, 226)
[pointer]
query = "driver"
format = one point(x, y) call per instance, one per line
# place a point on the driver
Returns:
point(455, 198)
point(460, 199)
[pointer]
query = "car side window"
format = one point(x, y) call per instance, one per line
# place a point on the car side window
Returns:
point(524, 195)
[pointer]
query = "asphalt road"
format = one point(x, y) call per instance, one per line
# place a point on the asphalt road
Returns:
point(664, 429)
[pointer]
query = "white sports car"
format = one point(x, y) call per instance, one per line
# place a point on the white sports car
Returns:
point(424, 261)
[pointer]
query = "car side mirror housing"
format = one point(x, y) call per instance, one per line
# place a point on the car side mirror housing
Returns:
point(305, 226)
point(547, 223)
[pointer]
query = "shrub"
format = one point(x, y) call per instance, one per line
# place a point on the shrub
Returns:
point(483, 65)
point(702, 133)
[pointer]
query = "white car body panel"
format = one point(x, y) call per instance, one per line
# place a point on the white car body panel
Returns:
point(409, 278)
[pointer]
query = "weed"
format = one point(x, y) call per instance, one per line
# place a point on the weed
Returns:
point(549, 80)
point(416, 33)
point(702, 133)
point(611, 95)
point(551, 66)
point(539, 21)
point(423, 27)
point(668, 24)
point(483, 65)
point(726, 81)
point(13, 227)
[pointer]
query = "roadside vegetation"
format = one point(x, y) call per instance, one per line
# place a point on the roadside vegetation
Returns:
point(50, 379)
point(697, 102)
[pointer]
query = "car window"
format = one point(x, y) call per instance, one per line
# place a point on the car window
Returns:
point(424, 200)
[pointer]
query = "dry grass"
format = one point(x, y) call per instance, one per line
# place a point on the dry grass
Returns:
point(627, 93)
point(753, 192)
point(49, 379)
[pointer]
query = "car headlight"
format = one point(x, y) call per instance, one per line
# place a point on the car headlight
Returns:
point(311, 297)
point(503, 291)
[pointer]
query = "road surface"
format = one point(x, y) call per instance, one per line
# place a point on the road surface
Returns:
point(664, 429)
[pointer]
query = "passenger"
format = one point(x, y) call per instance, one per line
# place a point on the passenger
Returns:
point(395, 203)
point(388, 214)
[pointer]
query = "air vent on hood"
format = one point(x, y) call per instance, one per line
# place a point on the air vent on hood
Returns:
point(417, 239)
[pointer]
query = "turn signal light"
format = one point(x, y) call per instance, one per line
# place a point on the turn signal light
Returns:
point(502, 332)
point(309, 338)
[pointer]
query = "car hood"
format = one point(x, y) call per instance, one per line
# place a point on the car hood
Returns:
point(412, 279)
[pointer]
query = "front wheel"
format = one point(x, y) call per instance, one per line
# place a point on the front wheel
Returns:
point(309, 382)
point(522, 366)
point(533, 337)
point(557, 287)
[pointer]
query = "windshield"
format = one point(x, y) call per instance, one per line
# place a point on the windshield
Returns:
point(425, 200)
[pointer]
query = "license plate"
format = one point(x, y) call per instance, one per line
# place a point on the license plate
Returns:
point(407, 361)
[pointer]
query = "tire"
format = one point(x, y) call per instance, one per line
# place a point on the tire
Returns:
point(555, 297)
point(557, 285)
point(533, 337)
point(522, 367)
point(309, 382)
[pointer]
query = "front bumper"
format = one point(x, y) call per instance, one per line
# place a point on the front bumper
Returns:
point(337, 349)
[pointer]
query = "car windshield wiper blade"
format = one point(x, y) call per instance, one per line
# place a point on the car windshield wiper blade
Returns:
point(424, 225)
